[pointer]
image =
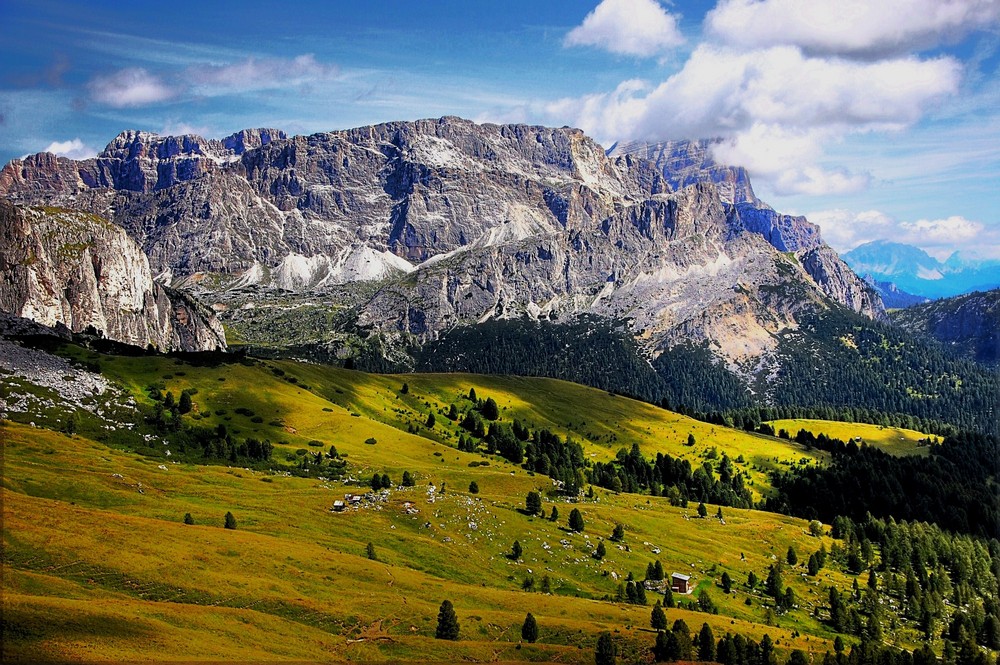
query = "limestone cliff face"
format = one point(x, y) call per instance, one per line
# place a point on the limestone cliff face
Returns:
point(461, 222)
point(76, 269)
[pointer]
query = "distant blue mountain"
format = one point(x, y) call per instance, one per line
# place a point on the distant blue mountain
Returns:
point(914, 271)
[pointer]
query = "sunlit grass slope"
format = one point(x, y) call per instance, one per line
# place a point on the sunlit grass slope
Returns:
point(100, 566)
point(894, 440)
point(83, 522)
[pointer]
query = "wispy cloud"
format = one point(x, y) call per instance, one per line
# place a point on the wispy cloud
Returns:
point(129, 88)
point(258, 74)
point(628, 27)
point(136, 86)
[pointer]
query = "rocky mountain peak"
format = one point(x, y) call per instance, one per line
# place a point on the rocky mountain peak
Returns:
point(248, 139)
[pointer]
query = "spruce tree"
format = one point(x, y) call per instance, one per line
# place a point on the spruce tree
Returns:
point(430, 420)
point(702, 510)
point(230, 521)
point(706, 643)
point(658, 619)
point(576, 520)
point(447, 625)
point(533, 503)
point(792, 558)
point(185, 404)
point(529, 629)
point(370, 552)
point(600, 551)
point(515, 551)
point(473, 487)
point(605, 652)
point(727, 582)
point(188, 519)
point(555, 514)
point(618, 533)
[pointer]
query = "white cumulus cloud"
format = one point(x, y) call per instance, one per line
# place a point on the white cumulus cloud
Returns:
point(74, 149)
point(774, 107)
point(844, 230)
point(628, 27)
point(130, 87)
point(862, 28)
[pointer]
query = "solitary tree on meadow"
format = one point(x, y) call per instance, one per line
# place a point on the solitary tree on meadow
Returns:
point(576, 520)
point(447, 625)
point(605, 653)
point(230, 521)
point(529, 630)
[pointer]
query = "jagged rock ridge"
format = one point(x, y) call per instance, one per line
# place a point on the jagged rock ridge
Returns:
point(466, 222)
point(74, 269)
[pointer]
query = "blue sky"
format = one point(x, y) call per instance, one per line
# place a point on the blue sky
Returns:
point(876, 119)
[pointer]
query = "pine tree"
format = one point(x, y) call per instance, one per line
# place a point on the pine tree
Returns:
point(727, 582)
point(658, 619)
point(706, 643)
point(576, 520)
point(618, 533)
point(601, 551)
point(405, 389)
point(516, 550)
point(185, 404)
point(472, 394)
point(533, 503)
point(453, 413)
point(370, 552)
point(529, 629)
point(490, 409)
point(473, 487)
point(702, 510)
point(555, 514)
point(447, 625)
point(188, 519)
point(663, 647)
point(792, 558)
point(668, 597)
point(605, 652)
point(430, 420)
point(230, 521)
point(408, 479)
point(812, 566)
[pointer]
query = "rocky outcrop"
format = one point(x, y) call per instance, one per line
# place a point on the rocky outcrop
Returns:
point(72, 268)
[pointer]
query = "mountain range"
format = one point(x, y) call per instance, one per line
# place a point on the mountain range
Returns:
point(421, 227)
point(914, 271)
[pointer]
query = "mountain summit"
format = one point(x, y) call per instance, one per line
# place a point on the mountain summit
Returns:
point(456, 223)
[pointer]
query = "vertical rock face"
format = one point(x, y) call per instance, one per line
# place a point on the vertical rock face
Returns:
point(76, 269)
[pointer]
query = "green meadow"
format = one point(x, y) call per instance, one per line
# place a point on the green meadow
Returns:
point(99, 564)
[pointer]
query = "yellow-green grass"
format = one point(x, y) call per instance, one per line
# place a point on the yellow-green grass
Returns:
point(346, 408)
point(602, 423)
point(894, 440)
point(85, 548)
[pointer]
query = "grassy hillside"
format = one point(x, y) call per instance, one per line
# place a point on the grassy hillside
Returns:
point(893, 440)
point(100, 566)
